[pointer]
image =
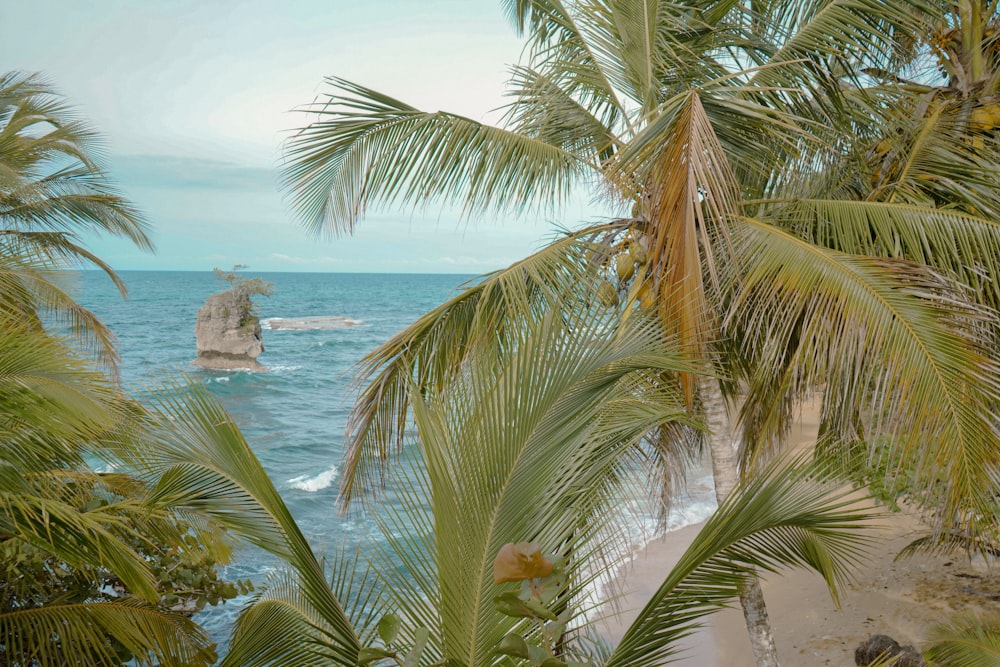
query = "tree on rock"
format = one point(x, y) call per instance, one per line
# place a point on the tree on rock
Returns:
point(228, 330)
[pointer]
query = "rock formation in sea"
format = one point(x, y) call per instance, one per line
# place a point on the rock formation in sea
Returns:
point(228, 334)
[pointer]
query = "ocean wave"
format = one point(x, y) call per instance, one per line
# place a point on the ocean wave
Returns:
point(309, 323)
point(312, 484)
point(280, 368)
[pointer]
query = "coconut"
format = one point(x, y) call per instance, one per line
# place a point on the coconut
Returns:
point(624, 266)
point(646, 296)
point(638, 254)
point(607, 295)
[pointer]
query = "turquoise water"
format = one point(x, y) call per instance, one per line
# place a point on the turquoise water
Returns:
point(294, 415)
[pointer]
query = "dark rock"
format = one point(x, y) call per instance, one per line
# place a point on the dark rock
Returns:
point(881, 646)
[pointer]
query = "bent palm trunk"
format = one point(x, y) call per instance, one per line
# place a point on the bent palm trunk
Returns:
point(725, 470)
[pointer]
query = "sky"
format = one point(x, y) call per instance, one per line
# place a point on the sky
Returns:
point(194, 98)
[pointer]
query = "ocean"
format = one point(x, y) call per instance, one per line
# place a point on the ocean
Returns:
point(293, 415)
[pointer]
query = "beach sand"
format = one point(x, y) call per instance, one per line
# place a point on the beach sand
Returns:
point(901, 598)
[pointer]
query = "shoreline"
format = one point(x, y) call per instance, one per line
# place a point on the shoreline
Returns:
point(901, 598)
point(638, 581)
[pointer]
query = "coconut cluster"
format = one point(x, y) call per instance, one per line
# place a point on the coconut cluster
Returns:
point(625, 266)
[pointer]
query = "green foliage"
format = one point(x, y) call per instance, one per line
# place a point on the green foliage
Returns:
point(965, 641)
point(94, 568)
point(244, 289)
point(532, 447)
point(54, 191)
point(92, 552)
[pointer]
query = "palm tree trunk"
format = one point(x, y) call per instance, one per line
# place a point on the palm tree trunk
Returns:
point(725, 468)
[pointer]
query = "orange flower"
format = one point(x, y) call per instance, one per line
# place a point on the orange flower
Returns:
point(520, 561)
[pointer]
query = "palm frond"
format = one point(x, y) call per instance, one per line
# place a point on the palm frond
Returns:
point(281, 627)
point(563, 114)
point(31, 288)
point(364, 147)
point(808, 37)
point(41, 375)
point(955, 243)
point(201, 462)
point(527, 444)
point(80, 538)
point(964, 641)
point(58, 634)
point(52, 177)
point(786, 517)
point(890, 332)
point(429, 352)
point(562, 48)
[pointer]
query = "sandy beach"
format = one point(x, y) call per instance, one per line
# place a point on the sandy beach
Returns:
point(901, 598)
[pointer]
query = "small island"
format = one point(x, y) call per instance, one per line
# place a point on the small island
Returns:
point(228, 331)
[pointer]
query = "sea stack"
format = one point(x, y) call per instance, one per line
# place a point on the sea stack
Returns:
point(228, 334)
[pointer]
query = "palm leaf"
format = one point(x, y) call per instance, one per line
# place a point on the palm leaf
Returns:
point(281, 627)
point(365, 147)
point(59, 634)
point(52, 177)
point(965, 641)
point(887, 331)
point(783, 518)
point(32, 288)
point(524, 446)
point(433, 349)
point(80, 538)
point(201, 462)
point(956, 243)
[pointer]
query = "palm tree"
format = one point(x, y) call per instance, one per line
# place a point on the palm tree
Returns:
point(716, 128)
point(53, 190)
point(65, 527)
point(92, 560)
point(532, 445)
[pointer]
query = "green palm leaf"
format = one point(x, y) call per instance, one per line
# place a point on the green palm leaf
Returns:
point(434, 348)
point(60, 634)
point(366, 147)
point(52, 179)
point(965, 641)
point(889, 332)
point(956, 243)
point(527, 445)
point(783, 518)
point(201, 462)
point(281, 627)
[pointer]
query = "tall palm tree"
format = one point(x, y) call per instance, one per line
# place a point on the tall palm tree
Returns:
point(715, 128)
point(53, 191)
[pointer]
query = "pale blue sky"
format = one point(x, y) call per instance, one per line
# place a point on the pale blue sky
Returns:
point(193, 99)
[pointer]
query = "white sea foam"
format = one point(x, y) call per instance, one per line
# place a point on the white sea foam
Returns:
point(280, 368)
point(314, 483)
point(309, 323)
point(224, 378)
